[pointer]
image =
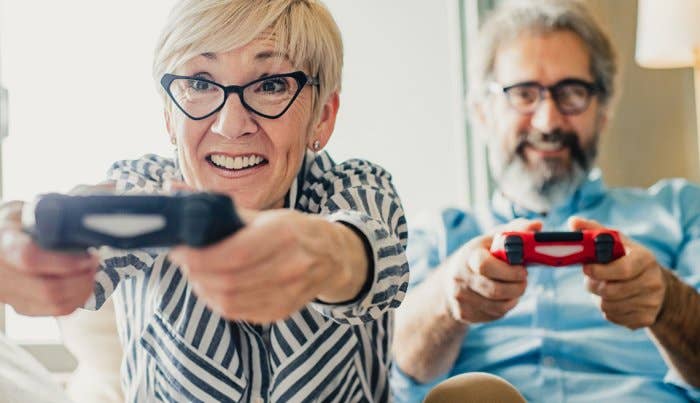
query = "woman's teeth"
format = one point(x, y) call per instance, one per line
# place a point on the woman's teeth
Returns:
point(240, 162)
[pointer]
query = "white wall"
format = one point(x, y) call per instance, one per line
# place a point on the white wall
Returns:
point(401, 100)
point(655, 112)
point(81, 95)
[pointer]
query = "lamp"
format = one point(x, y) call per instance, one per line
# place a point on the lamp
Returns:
point(668, 36)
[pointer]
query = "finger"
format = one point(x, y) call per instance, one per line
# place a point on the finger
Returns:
point(522, 224)
point(173, 186)
point(489, 309)
point(48, 295)
point(623, 269)
point(261, 275)
point(261, 306)
point(20, 252)
point(484, 264)
point(592, 284)
point(632, 320)
point(75, 294)
point(237, 252)
point(498, 309)
point(579, 224)
point(52, 289)
point(617, 308)
point(497, 290)
point(614, 290)
point(11, 214)
point(102, 187)
point(519, 224)
point(247, 215)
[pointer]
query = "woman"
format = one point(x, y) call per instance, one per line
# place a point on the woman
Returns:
point(298, 305)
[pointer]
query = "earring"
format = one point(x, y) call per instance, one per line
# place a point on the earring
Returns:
point(173, 141)
point(317, 145)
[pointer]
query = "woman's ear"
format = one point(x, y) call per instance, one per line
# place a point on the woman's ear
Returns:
point(322, 130)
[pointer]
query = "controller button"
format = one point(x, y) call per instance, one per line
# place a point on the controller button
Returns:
point(604, 248)
point(514, 249)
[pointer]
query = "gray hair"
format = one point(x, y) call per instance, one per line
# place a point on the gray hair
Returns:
point(514, 18)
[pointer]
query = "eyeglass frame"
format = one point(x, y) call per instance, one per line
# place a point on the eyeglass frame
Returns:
point(593, 89)
point(301, 78)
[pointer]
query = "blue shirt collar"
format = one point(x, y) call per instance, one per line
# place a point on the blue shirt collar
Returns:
point(588, 194)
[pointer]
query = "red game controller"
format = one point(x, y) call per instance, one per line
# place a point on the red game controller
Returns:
point(557, 248)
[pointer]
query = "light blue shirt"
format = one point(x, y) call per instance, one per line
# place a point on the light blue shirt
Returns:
point(555, 345)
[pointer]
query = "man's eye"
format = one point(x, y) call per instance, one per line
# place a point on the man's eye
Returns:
point(524, 94)
point(573, 91)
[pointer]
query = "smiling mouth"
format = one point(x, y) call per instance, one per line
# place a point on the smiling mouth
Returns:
point(236, 164)
point(547, 147)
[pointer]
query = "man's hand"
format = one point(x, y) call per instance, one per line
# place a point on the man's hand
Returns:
point(631, 288)
point(37, 282)
point(280, 261)
point(480, 287)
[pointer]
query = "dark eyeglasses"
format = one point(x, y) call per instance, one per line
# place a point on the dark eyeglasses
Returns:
point(571, 96)
point(269, 97)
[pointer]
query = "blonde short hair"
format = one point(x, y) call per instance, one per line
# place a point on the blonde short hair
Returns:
point(302, 29)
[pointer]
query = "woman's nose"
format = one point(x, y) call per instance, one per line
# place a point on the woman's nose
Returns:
point(234, 120)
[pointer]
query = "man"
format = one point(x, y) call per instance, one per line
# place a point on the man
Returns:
point(629, 330)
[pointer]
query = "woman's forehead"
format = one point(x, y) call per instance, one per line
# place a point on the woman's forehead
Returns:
point(258, 53)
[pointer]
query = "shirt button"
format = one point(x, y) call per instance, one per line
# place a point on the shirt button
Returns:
point(548, 361)
point(258, 399)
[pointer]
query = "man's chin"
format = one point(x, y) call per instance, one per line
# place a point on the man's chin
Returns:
point(540, 190)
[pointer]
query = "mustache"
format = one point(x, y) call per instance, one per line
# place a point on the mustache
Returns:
point(567, 140)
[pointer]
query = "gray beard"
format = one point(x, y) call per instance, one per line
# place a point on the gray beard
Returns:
point(539, 188)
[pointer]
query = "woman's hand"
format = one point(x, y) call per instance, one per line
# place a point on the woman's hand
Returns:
point(279, 262)
point(37, 282)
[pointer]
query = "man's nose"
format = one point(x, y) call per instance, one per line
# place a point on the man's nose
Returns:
point(234, 120)
point(547, 116)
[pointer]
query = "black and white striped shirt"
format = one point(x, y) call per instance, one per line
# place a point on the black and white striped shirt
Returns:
point(176, 349)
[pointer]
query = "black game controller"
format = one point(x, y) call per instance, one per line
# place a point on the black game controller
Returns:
point(61, 222)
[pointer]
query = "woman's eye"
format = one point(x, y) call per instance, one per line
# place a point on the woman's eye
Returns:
point(273, 85)
point(199, 85)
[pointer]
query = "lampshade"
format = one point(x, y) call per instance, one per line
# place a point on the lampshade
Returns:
point(668, 33)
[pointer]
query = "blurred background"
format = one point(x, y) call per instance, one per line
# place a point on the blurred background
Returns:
point(78, 77)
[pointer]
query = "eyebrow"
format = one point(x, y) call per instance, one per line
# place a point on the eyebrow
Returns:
point(264, 55)
point(269, 54)
point(562, 81)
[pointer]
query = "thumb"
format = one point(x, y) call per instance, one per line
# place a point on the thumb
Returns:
point(521, 224)
point(247, 215)
point(578, 224)
point(172, 186)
